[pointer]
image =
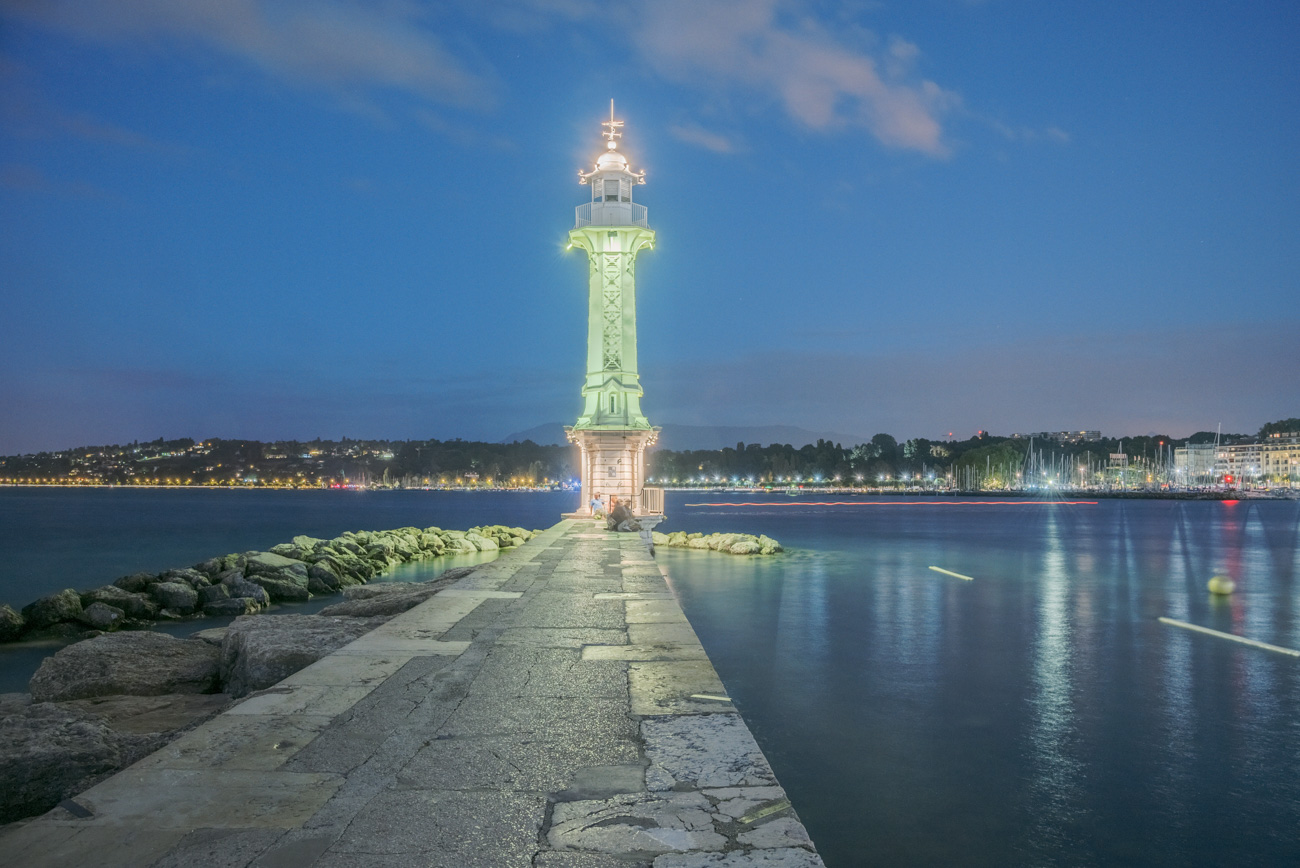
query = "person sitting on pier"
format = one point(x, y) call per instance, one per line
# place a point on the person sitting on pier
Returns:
point(620, 517)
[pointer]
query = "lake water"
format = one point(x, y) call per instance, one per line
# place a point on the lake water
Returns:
point(1037, 715)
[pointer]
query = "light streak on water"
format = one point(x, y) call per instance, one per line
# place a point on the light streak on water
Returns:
point(806, 503)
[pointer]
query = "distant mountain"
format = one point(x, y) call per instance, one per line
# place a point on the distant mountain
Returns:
point(550, 434)
point(685, 438)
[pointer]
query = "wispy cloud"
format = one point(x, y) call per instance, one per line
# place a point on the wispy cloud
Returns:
point(334, 44)
point(1052, 134)
point(778, 51)
point(461, 134)
point(31, 179)
point(26, 112)
point(697, 135)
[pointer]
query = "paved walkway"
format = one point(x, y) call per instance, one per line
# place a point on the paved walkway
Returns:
point(552, 709)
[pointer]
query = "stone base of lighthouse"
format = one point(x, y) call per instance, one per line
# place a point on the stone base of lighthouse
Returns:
point(613, 463)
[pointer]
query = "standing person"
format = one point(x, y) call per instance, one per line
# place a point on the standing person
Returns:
point(597, 506)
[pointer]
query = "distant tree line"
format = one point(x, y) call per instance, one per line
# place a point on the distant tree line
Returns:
point(884, 457)
point(218, 461)
point(412, 463)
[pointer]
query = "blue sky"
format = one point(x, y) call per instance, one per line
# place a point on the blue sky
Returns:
point(251, 219)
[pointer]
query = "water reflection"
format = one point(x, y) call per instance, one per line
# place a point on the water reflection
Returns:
point(1056, 771)
point(802, 634)
point(1039, 715)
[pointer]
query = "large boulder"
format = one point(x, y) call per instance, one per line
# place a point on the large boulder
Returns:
point(285, 579)
point(348, 546)
point(152, 714)
point(407, 595)
point(286, 585)
point(213, 593)
point(257, 652)
point(269, 563)
point(432, 542)
point(482, 543)
point(321, 580)
point(136, 582)
point(189, 576)
point(240, 587)
point(744, 547)
point(11, 624)
point(48, 611)
point(459, 545)
point(383, 552)
point(47, 753)
point(177, 597)
point(212, 567)
point(101, 616)
point(139, 663)
point(231, 606)
point(135, 605)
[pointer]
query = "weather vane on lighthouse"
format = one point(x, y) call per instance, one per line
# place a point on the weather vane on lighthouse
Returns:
point(612, 433)
point(614, 126)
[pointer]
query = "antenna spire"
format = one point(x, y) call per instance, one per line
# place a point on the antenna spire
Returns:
point(613, 132)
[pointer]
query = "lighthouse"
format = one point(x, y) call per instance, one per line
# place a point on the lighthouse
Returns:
point(612, 433)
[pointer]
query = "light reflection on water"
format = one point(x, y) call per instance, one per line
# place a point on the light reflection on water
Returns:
point(1054, 788)
point(1038, 715)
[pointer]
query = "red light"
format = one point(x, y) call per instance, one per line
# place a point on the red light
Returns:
point(1228, 479)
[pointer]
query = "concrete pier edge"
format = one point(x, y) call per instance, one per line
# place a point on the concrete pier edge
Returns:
point(552, 709)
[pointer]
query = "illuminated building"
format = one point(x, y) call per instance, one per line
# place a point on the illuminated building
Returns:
point(612, 433)
point(1194, 464)
point(1274, 460)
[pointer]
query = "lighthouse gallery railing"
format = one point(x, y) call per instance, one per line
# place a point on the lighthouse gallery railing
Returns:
point(611, 214)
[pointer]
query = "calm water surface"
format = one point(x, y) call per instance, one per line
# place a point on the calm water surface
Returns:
point(1038, 715)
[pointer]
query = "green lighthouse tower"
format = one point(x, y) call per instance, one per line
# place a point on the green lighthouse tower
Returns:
point(612, 433)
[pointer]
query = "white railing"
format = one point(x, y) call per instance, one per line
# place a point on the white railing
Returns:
point(652, 501)
point(611, 214)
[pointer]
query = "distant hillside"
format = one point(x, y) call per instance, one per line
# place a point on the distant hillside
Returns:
point(550, 434)
point(684, 438)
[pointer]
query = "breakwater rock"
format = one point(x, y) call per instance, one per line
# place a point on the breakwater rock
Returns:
point(100, 704)
point(729, 543)
point(244, 584)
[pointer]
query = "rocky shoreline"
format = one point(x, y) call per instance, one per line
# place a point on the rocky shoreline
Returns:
point(243, 584)
point(727, 543)
point(99, 705)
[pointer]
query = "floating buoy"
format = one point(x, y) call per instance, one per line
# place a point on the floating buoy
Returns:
point(1221, 585)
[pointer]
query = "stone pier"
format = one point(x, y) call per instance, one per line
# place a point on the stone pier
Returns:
point(553, 709)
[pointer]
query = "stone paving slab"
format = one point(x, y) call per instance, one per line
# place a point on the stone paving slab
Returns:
point(248, 742)
point(552, 709)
